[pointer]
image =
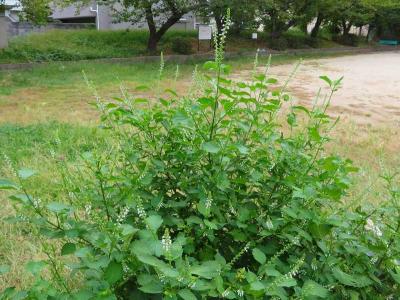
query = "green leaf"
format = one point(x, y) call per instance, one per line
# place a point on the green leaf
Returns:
point(25, 173)
point(142, 88)
point(68, 248)
point(208, 269)
point(35, 267)
point(58, 207)
point(154, 222)
point(158, 264)
point(7, 185)
point(21, 198)
point(211, 147)
point(128, 229)
point(326, 79)
point(4, 269)
point(113, 272)
point(152, 288)
point(259, 256)
point(311, 288)
point(187, 295)
point(210, 65)
point(351, 280)
point(257, 286)
point(395, 276)
point(150, 284)
point(242, 149)
point(288, 282)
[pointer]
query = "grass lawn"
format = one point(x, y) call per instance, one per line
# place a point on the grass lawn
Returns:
point(46, 110)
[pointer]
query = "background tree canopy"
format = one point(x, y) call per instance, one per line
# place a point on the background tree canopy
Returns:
point(275, 16)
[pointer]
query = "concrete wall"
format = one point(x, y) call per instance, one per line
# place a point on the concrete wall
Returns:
point(22, 28)
point(9, 29)
point(72, 12)
point(3, 32)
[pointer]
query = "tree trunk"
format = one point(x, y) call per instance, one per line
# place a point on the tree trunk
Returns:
point(346, 28)
point(370, 29)
point(219, 21)
point(152, 43)
point(156, 35)
point(317, 26)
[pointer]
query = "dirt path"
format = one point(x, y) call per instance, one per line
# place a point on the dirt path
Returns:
point(371, 86)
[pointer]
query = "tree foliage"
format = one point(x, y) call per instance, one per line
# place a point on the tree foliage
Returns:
point(276, 16)
point(36, 11)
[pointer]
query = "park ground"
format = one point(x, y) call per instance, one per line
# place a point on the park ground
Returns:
point(48, 108)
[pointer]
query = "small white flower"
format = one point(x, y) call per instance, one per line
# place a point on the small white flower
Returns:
point(123, 214)
point(240, 292)
point(225, 293)
point(370, 226)
point(126, 269)
point(162, 278)
point(140, 210)
point(192, 285)
point(166, 241)
point(88, 209)
point(36, 202)
point(269, 224)
point(209, 201)
point(232, 211)
point(314, 264)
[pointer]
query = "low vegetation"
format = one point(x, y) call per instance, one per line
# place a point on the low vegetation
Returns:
point(228, 192)
point(86, 44)
point(82, 44)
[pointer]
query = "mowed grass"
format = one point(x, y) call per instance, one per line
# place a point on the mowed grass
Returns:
point(58, 91)
point(45, 118)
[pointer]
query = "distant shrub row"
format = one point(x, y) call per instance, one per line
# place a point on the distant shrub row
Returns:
point(90, 44)
point(59, 45)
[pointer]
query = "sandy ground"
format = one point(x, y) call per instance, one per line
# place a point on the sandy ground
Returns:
point(370, 92)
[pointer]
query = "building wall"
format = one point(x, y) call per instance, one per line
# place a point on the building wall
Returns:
point(27, 28)
point(105, 18)
point(72, 12)
point(9, 29)
point(3, 31)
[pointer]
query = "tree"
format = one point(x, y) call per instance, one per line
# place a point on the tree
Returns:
point(35, 11)
point(278, 16)
point(322, 9)
point(160, 15)
point(242, 16)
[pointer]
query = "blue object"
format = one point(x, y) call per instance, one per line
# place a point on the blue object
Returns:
point(389, 42)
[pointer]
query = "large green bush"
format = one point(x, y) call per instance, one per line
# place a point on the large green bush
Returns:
point(210, 196)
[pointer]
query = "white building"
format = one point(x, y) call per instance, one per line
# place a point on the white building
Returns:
point(102, 17)
point(99, 15)
point(13, 8)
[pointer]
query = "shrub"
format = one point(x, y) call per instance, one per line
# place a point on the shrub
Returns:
point(278, 43)
point(347, 40)
point(296, 39)
point(209, 196)
point(313, 42)
point(181, 45)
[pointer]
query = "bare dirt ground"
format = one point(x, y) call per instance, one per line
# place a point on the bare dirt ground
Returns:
point(370, 92)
